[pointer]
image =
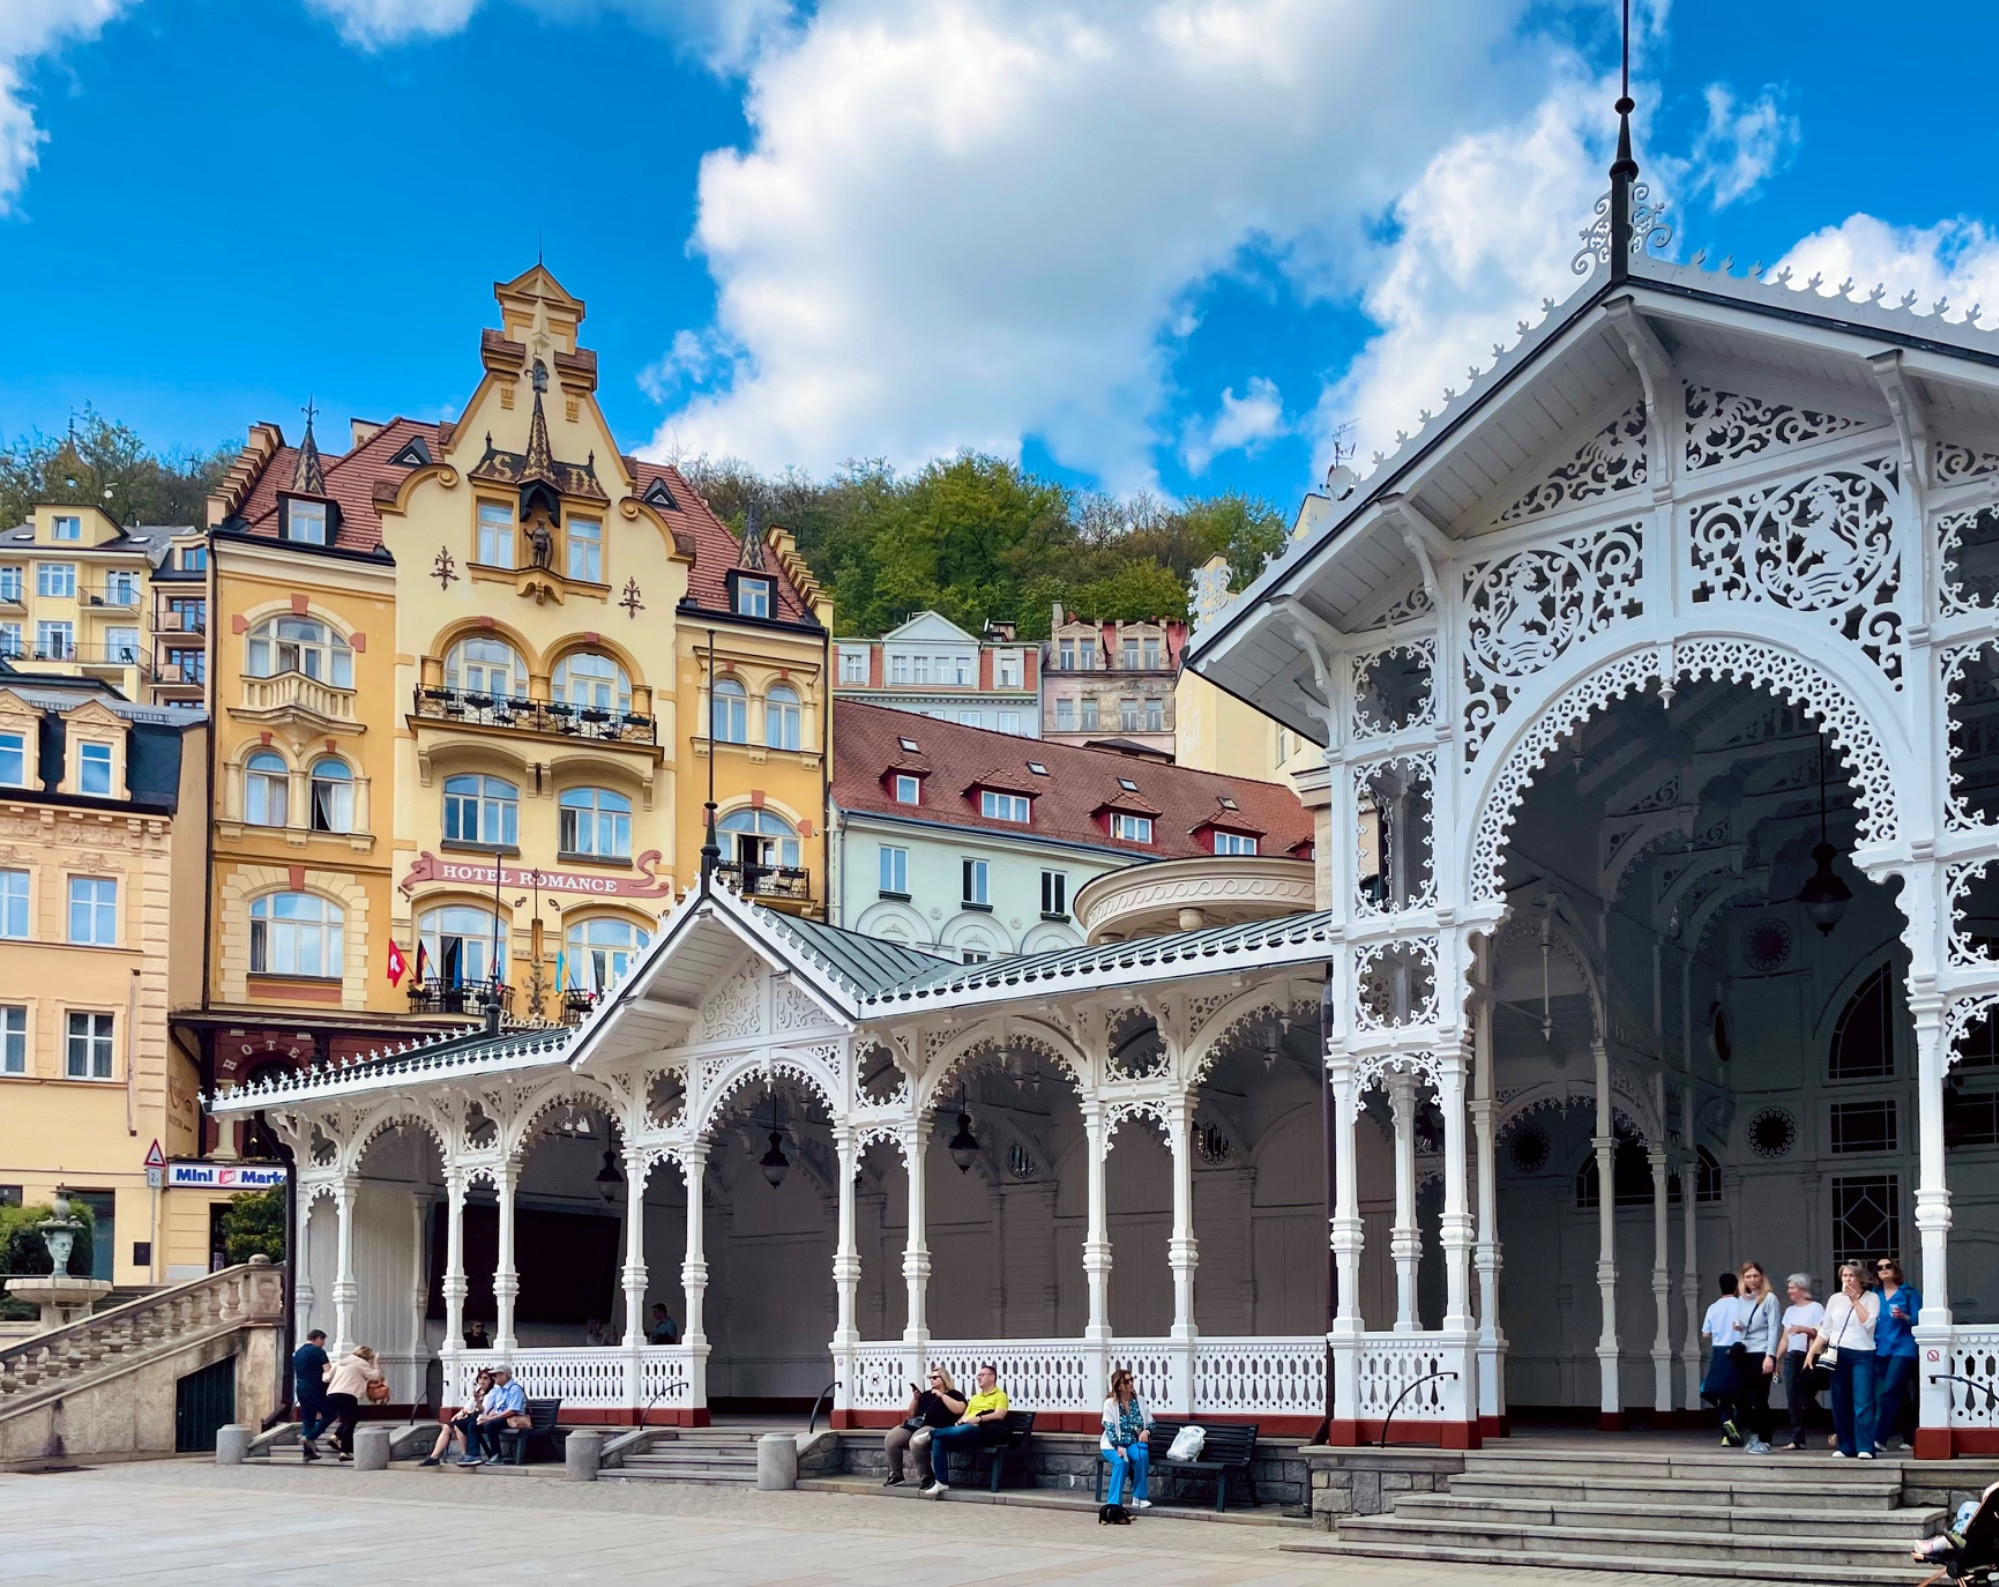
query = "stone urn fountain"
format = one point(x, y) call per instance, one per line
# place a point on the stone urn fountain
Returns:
point(62, 1297)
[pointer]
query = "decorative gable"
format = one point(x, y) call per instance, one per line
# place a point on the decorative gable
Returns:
point(1611, 460)
point(1725, 426)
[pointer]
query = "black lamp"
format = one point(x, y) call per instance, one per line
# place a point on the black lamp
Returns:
point(1824, 895)
point(610, 1178)
point(774, 1163)
point(964, 1146)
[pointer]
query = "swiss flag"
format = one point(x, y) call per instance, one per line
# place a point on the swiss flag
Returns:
point(398, 968)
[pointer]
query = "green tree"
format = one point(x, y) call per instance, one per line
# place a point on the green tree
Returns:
point(103, 463)
point(254, 1225)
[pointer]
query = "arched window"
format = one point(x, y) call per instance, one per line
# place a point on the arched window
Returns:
point(1863, 1042)
point(781, 717)
point(461, 943)
point(591, 681)
point(731, 713)
point(596, 822)
point(332, 796)
point(1631, 1172)
point(295, 934)
point(486, 666)
point(266, 784)
point(760, 838)
point(482, 810)
point(598, 952)
point(300, 644)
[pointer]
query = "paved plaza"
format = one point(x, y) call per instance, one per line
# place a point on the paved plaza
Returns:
point(168, 1523)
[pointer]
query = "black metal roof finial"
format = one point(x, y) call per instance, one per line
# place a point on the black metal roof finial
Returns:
point(1624, 169)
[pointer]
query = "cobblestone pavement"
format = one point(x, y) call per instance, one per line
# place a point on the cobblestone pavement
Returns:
point(191, 1524)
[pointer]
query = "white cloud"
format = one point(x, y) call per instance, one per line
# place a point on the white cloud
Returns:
point(1242, 423)
point(1741, 146)
point(1489, 226)
point(961, 222)
point(723, 31)
point(30, 29)
point(1956, 260)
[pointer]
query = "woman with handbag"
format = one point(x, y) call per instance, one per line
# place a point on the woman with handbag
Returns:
point(940, 1405)
point(1755, 1357)
point(1845, 1343)
point(347, 1380)
point(1126, 1443)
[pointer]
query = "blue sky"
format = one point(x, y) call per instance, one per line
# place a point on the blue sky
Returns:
point(1147, 244)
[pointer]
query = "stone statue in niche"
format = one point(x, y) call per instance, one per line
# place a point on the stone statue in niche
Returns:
point(541, 544)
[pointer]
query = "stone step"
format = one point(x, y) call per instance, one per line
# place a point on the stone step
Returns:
point(717, 1461)
point(1805, 1568)
point(1692, 1461)
point(696, 1474)
point(1789, 1554)
point(1676, 1519)
point(1790, 1488)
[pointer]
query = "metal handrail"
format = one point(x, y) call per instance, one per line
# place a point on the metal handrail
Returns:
point(1952, 1377)
point(812, 1421)
point(1412, 1384)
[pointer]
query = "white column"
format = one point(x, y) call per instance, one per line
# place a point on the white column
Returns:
point(694, 1277)
point(1491, 1340)
point(1690, 1265)
point(1348, 1235)
point(1606, 1234)
point(1662, 1288)
point(454, 1261)
point(345, 1290)
point(506, 1278)
point(302, 1290)
point(846, 1271)
point(1181, 1251)
point(419, 1350)
point(1456, 1227)
point(634, 1276)
point(916, 1254)
point(1933, 1330)
point(1405, 1240)
point(1097, 1236)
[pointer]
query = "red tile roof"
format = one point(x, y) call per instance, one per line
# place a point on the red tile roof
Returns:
point(358, 478)
point(1080, 783)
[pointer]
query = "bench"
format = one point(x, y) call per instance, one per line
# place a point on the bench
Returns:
point(1019, 1428)
point(1228, 1446)
point(514, 1441)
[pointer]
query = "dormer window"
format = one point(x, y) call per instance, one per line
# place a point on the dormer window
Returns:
point(66, 528)
point(752, 597)
point(1131, 829)
point(93, 770)
point(996, 806)
point(1234, 842)
point(908, 789)
point(305, 522)
point(194, 559)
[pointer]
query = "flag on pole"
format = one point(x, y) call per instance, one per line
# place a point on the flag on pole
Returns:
point(422, 963)
point(398, 967)
point(558, 971)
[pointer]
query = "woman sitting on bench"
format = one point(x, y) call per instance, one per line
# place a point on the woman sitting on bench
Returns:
point(983, 1424)
point(1126, 1443)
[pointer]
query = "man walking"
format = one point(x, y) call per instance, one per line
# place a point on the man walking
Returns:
point(309, 1389)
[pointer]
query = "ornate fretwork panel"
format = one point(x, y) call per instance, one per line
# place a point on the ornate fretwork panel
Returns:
point(1395, 855)
point(1611, 460)
point(1974, 914)
point(1395, 984)
point(1393, 688)
point(1969, 544)
point(1955, 463)
point(1405, 608)
point(1522, 611)
point(1971, 695)
point(1725, 427)
point(1373, 1071)
point(735, 1011)
point(1825, 545)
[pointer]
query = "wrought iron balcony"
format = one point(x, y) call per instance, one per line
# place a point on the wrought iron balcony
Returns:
point(789, 882)
point(536, 716)
point(123, 597)
point(183, 622)
point(438, 996)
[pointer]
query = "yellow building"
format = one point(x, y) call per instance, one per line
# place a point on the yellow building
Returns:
point(1214, 731)
point(76, 598)
point(101, 859)
point(459, 680)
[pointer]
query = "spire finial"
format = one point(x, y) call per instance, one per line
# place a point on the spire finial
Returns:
point(308, 473)
point(1624, 169)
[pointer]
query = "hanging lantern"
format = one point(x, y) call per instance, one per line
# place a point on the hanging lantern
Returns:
point(964, 1146)
point(610, 1178)
point(774, 1163)
point(1824, 895)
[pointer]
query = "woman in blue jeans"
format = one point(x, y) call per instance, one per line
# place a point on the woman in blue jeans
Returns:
point(1848, 1335)
point(1126, 1441)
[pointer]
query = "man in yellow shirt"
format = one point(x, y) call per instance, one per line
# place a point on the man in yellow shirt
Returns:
point(983, 1423)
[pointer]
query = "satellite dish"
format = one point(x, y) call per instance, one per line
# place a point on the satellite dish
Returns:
point(1340, 481)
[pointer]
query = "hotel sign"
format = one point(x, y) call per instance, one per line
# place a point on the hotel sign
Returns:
point(431, 870)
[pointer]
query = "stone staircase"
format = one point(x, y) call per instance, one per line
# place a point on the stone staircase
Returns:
point(725, 1456)
point(1725, 1514)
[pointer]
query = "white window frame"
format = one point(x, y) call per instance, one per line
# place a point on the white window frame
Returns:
point(56, 580)
point(493, 535)
point(853, 665)
point(17, 759)
point(783, 717)
point(310, 515)
point(88, 893)
point(595, 823)
point(266, 789)
point(585, 550)
point(95, 763)
point(17, 916)
point(1234, 842)
point(13, 1039)
point(1009, 669)
point(1065, 715)
point(330, 795)
point(66, 527)
point(279, 943)
point(1055, 893)
point(754, 597)
point(496, 803)
point(995, 805)
point(1130, 828)
point(894, 870)
point(977, 877)
point(97, 1058)
point(908, 789)
point(729, 712)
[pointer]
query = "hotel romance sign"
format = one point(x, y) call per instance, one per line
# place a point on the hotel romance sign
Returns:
point(224, 1176)
point(468, 873)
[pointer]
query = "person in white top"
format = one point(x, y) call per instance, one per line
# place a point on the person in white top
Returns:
point(1846, 1339)
point(1801, 1323)
point(1721, 1330)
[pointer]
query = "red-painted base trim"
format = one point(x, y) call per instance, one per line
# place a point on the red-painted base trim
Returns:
point(1495, 1427)
point(1610, 1421)
point(1087, 1422)
point(1940, 1443)
point(1437, 1435)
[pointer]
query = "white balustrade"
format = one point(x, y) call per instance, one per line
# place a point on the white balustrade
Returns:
point(664, 1375)
point(1974, 1358)
point(1405, 1367)
point(878, 1381)
point(1277, 1377)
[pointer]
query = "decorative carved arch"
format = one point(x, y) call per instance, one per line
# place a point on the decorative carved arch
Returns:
point(1565, 936)
point(1222, 1028)
point(569, 1089)
point(1786, 670)
point(1153, 1108)
point(1560, 1095)
point(1000, 1032)
point(722, 1078)
point(314, 1191)
point(393, 1115)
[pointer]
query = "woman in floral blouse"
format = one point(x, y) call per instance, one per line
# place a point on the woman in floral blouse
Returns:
point(1125, 1444)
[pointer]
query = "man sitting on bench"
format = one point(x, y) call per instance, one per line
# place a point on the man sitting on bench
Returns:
point(505, 1405)
point(983, 1424)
